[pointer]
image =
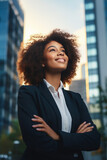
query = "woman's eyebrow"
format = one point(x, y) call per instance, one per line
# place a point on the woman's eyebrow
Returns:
point(50, 47)
point(54, 47)
point(62, 47)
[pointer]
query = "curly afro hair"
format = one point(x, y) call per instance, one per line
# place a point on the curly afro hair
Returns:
point(30, 57)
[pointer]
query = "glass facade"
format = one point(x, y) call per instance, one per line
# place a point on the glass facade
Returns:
point(11, 36)
point(105, 5)
point(96, 33)
point(90, 28)
point(89, 5)
point(90, 17)
point(92, 50)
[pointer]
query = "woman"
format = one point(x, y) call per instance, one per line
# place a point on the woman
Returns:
point(55, 123)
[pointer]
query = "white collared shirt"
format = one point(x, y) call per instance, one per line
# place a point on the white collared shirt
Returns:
point(60, 101)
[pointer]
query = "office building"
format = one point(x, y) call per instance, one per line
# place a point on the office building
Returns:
point(11, 36)
point(96, 31)
point(79, 86)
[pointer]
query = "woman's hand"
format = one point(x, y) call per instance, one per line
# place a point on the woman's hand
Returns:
point(43, 127)
point(84, 127)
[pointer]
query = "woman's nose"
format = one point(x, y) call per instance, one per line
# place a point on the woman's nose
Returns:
point(60, 53)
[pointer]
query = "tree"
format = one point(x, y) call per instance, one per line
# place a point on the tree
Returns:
point(7, 141)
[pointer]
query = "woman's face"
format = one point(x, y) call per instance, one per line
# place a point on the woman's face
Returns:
point(55, 58)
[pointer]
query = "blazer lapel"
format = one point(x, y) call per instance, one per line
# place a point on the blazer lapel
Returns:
point(71, 107)
point(46, 93)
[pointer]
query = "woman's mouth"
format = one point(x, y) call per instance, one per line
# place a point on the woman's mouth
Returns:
point(60, 60)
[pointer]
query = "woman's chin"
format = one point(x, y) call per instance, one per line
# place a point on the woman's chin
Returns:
point(59, 70)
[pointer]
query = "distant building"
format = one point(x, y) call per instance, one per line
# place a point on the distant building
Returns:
point(96, 31)
point(11, 36)
point(83, 69)
point(79, 86)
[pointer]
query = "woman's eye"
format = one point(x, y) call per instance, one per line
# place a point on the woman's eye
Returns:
point(51, 50)
point(63, 50)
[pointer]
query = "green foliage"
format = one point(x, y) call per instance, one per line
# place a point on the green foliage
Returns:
point(16, 133)
point(7, 140)
point(5, 144)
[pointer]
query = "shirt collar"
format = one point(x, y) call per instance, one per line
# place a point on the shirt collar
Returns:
point(51, 88)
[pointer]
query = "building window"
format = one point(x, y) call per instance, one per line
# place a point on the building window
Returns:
point(90, 28)
point(89, 5)
point(90, 17)
point(92, 71)
point(93, 78)
point(92, 58)
point(91, 40)
point(93, 85)
point(92, 52)
point(94, 92)
point(92, 65)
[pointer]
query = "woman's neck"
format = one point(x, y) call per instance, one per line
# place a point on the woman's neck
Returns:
point(53, 79)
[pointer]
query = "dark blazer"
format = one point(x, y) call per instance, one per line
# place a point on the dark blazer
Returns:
point(39, 101)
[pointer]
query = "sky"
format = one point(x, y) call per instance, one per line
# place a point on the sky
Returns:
point(42, 16)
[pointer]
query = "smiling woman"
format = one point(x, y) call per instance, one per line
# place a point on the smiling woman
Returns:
point(54, 122)
point(30, 59)
point(55, 58)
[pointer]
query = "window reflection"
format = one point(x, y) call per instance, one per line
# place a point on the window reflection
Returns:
point(93, 78)
point(92, 65)
point(92, 52)
point(94, 92)
point(89, 5)
point(90, 28)
point(91, 39)
point(90, 17)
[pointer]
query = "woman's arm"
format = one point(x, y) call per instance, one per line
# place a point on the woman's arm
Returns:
point(85, 138)
point(87, 141)
point(44, 127)
point(27, 107)
point(75, 141)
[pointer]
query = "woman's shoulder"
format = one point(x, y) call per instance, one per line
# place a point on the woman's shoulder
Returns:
point(28, 88)
point(74, 94)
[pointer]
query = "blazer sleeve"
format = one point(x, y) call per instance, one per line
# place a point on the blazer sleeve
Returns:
point(27, 107)
point(87, 141)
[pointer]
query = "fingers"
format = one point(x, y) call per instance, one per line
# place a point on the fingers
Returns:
point(40, 129)
point(38, 119)
point(44, 127)
point(81, 125)
point(41, 126)
point(37, 116)
point(38, 125)
point(84, 127)
point(88, 129)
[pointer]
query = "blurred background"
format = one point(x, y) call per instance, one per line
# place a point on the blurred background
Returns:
point(87, 19)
